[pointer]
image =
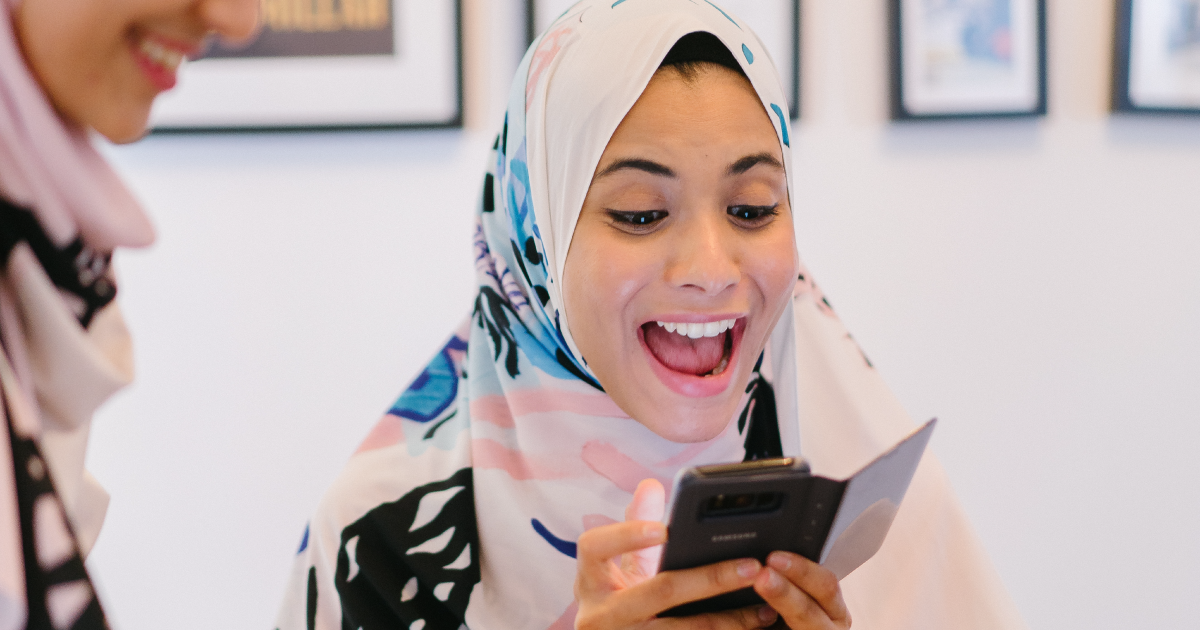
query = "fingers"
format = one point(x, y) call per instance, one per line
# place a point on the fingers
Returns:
point(740, 619)
point(672, 588)
point(599, 546)
point(805, 594)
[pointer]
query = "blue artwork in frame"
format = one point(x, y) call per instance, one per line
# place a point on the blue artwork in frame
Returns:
point(967, 58)
point(1156, 57)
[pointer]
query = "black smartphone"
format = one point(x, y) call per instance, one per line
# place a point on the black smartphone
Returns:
point(745, 510)
point(749, 509)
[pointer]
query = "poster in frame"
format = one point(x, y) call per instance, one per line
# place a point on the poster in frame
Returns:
point(776, 22)
point(967, 58)
point(327, 64)
point(1156, 57)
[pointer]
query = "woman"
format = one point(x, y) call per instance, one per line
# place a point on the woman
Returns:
point(638, 312)
point(68, 68)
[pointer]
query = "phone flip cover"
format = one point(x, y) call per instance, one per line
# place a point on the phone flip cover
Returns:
point(869, 504)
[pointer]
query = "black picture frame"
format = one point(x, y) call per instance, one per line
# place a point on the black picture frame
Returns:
point(446, 112)
point(904, 105)
point(1129, 95)
point(791, 53)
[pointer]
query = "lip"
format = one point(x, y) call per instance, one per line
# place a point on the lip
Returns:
point(691, 385)
point(161, 77)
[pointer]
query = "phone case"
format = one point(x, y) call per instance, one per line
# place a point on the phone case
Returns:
point(749, 509)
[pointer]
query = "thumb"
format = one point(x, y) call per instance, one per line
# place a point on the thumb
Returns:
point(649, 504)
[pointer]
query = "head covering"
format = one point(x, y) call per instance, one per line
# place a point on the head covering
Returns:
point(463, 503)
point(65, 347)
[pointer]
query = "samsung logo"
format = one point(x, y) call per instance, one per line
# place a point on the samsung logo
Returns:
point(734, 537)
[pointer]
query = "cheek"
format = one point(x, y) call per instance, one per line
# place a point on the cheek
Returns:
point(603, 280)
point(774, 267)
point(80, 56)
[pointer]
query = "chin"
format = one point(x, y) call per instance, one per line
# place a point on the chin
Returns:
point(688, 422)
point(124, 128)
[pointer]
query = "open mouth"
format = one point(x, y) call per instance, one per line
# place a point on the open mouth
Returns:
point(693, 358)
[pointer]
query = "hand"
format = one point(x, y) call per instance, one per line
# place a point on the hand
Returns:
point(616, 585)
point(806, 595)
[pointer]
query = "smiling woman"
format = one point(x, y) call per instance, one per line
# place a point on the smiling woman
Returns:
point(641, 309)
point(69, 68)
point(687, 222)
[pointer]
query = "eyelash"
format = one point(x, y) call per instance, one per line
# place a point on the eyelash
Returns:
point(760, 213)
point(645, 220)
point(637, 220)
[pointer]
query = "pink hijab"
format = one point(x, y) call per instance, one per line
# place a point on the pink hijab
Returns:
point(54, 372)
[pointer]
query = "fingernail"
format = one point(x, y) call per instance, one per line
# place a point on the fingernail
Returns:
point(774, 581)
point(653, 531)
point(747, 568)
point(780, 561)
point(767, 615)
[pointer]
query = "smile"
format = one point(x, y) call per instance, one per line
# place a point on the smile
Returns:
point(692, 358)
point(159, 59)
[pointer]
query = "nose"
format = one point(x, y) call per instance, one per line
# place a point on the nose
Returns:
point(234, 20)
point(706, 259)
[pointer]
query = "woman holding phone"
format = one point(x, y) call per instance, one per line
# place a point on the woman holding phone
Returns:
point(68, 69)
point(641, 309)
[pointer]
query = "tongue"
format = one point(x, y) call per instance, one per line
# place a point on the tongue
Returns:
point(682, 354)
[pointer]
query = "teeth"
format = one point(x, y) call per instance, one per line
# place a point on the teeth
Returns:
point(163, 56)
point(696, 331)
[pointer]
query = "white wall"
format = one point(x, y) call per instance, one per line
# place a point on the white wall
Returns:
point(1035, 284)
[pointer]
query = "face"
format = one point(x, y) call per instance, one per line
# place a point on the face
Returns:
point(683, 258)
point(102, 62)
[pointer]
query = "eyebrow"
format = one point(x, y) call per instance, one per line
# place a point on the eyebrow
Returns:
point(638, 164)
point(750, 161)
point(654, 168)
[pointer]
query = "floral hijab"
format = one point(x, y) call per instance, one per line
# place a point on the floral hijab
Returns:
point(463, 504)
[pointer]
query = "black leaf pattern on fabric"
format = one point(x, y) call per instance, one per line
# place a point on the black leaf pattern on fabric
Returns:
point(393, 586)
point(311, 612)
point(490, 308)
point(504, 136)
point(521, 262)
point(33, 484)
point(569, 365)
point(489, 195)
point(432, 430)
point(75, 267)
point(762, 434)
point(531, 252)
point(542, 293)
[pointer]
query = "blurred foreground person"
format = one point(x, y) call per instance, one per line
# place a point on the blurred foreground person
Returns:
point(69, 68)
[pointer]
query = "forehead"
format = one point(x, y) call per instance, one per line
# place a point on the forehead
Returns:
point(714, 112)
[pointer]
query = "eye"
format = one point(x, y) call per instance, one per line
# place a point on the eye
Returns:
point(753, 215)
point(638, 220)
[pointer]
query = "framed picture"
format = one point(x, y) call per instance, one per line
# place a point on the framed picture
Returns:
point(327, 64)
point(967, 58)
point(776, 22)
point(1156, 61)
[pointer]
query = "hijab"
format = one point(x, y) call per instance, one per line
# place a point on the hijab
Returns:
point(63, 211)
point(463, 504)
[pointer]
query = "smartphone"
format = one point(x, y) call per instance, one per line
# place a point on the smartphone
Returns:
point(745, 510)
point(750, 509)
